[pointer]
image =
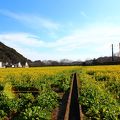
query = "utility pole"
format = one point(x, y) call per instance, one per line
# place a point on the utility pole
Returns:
point(119, 51)
point(112, 53)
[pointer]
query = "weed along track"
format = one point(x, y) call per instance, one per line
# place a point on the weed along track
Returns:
point(73, 111)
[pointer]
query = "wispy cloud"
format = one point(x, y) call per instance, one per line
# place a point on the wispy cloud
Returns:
point(92, 41)
point(93, 37)
point(31, 20)
point(25, 39)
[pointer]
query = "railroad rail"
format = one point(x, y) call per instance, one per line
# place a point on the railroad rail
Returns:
point(73, 109)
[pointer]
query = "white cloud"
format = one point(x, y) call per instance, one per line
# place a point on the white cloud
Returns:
point(95, 35)
point(92, 41)
point(21, 38)
point(33, 21)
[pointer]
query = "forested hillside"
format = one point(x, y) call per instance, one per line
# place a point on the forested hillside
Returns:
point(10, 55)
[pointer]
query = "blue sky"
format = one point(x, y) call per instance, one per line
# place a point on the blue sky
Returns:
point(58, 29)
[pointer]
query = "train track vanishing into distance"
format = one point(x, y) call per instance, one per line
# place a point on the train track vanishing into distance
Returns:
point(73, 109)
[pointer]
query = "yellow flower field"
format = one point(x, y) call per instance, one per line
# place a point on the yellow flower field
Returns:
point(34, 71)
point(34, 87)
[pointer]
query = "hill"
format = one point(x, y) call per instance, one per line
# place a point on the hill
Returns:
point(10, 55)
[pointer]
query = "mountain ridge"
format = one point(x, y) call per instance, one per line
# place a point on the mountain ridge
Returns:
point(10, 55)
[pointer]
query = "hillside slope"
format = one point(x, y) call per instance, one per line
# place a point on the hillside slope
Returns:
point(10, 55)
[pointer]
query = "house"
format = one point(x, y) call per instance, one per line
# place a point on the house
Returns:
point(19, 65)
point(26, 65)
point(1, 64)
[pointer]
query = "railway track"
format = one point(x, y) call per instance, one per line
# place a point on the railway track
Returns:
point(73, 109)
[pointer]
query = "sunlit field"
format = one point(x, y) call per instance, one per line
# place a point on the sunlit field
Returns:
point(34, 71)
point(29, 93)
point(100, 92)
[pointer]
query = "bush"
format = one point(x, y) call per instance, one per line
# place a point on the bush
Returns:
point(34, 113)
point(96, 102)
point(48, 100)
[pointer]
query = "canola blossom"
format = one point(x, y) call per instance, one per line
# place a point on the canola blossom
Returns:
point(33, 93)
